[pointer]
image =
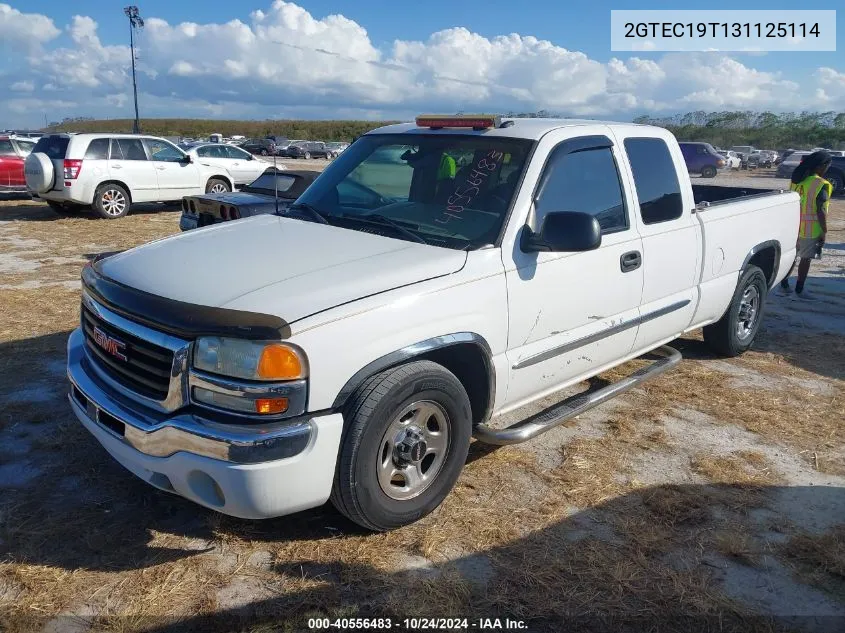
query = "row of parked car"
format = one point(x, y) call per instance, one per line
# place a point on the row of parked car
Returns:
point(275, 146)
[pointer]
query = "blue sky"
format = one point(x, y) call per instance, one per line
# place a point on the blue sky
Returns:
point(212, 71)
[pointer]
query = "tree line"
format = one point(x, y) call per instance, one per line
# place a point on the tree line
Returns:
point(766, 130)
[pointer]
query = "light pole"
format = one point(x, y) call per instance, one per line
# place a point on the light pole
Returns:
point(135, 22)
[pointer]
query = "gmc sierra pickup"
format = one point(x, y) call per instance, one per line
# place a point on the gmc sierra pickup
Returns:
point(435, 276)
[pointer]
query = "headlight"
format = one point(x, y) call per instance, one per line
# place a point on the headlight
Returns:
point(249, 360)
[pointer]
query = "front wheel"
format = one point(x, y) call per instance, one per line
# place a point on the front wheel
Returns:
point(111, 201)
point(264, 152)
point(708, 172)
point(215, 185)
point(734, 333)
point(406, 440)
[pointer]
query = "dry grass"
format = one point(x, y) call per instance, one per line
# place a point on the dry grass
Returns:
point(742, 468)
point(819, 559)
point(568, 542)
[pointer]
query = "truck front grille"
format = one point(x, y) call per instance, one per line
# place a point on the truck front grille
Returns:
point(135, 363)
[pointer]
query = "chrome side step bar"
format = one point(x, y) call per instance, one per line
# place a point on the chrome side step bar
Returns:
point(539, 423)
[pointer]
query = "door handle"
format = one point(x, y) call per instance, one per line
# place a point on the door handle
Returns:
point(630, 261)
point(117, 167)
point(161, 168)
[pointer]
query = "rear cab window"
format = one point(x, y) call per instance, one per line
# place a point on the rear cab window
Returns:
point(655, 179)
point(6, 148)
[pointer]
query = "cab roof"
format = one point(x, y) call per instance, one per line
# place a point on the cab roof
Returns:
point(533, 129)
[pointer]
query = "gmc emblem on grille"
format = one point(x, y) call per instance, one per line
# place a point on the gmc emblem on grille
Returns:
point(112, 345)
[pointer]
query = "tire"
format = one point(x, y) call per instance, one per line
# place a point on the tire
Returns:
point(111, 201)
point(264, 152)
point(216, 185)
point(708, 172)
point(836, 182)
point(372, 487)
point(307, 156)
point(734, 333)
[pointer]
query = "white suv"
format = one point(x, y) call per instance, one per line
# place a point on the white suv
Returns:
point(110, 172)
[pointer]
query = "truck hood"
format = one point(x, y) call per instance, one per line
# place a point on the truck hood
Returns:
point(281, 266)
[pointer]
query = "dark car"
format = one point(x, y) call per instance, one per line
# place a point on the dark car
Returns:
point(308, 149)
point(702, 158)
point(262, 146)
point(836, 174)
point(256, 198)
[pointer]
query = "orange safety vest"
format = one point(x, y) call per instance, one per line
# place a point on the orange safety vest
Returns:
point(809, 189)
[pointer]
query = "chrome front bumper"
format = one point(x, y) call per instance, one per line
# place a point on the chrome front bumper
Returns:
point(161, 434)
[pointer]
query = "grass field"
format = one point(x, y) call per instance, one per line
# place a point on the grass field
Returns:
point(711, 499)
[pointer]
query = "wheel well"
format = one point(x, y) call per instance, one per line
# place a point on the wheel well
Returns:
point(465, 354)
point(116, 182)
point(469, 364)
point(223, 178)
point(767, 260)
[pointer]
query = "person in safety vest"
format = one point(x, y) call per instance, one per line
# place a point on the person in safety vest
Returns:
point(448, 168)
point(808, 180)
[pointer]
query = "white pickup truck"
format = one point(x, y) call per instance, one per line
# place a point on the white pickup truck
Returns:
point(437, 275)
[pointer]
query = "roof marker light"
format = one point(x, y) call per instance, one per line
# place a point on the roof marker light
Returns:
point(474, 121)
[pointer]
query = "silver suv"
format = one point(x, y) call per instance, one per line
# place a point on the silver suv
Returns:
point(110, 172)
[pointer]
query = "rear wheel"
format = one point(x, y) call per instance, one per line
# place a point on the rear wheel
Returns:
point(215, 185)
point(264, 152)
point(111, 201)
point(406, 440)
point(709, 172)
point(307, 155)
point(734, 333)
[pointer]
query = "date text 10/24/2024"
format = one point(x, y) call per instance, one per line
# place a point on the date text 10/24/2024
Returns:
point(417, 624)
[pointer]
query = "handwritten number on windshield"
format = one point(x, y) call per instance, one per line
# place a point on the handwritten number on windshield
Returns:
point(460, 200)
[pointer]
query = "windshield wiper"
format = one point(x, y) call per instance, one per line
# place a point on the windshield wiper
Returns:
point(383, 219)
point(319, 217)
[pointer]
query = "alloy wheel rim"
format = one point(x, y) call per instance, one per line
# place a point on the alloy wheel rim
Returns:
point(114, 202)
point(218, 187)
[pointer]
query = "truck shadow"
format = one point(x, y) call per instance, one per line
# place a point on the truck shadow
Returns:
point(662, 558)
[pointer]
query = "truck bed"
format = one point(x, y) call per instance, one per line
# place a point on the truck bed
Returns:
point(718, 194)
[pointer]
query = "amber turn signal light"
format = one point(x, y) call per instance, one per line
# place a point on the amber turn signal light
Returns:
point(270, 406)
point(279, 362)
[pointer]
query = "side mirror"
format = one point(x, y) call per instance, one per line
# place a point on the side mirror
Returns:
point(187, 158)
point(563, 232)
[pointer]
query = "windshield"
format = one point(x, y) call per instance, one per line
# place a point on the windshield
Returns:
point(448, 190)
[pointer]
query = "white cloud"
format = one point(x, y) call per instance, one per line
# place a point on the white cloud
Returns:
point(24, 85)
point(831, 90)
point(25, 30)
point(283, 60)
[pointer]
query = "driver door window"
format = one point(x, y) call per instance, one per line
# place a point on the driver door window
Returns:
point(162, 151)
point(585, 181)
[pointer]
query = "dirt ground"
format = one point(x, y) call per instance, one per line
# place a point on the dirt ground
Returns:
point(711, 499)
